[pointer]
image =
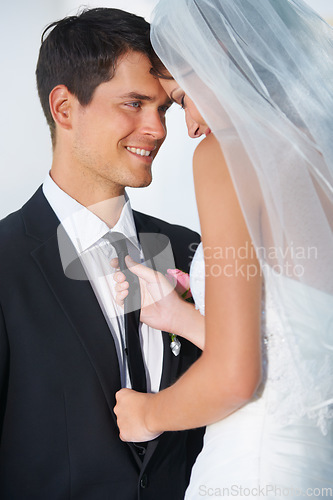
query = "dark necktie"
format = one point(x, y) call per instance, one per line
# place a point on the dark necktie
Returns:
point(131, 315)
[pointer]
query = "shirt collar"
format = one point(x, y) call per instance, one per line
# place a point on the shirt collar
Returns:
point(83, 227)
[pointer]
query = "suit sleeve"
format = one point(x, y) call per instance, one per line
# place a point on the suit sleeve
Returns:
point(4, 349)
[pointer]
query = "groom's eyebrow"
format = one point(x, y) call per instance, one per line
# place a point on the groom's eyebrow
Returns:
point(135, 95)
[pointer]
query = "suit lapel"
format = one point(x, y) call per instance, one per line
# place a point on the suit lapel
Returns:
point(78, 301)
point(75, 296)
point(170, 365)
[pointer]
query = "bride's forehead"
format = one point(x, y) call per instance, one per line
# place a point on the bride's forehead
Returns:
point(168, 85)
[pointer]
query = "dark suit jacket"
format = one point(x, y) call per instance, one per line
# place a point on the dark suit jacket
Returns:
point(59, 374)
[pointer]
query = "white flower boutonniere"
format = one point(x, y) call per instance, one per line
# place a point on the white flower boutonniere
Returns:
point(175, 344)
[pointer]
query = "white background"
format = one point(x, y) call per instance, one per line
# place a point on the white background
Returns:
point(25, 147)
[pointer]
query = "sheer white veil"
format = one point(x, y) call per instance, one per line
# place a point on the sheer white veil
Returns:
point(261, 74)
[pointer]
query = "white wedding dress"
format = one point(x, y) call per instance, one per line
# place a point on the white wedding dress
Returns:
point(270, 448)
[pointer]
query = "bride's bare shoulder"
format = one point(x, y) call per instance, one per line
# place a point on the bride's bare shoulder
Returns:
point(208, 156)
point(207, 146)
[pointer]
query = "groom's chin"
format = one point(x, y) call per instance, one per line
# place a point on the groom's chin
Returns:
point(142, 182)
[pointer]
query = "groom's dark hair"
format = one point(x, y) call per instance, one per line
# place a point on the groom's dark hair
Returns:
point(82, 51)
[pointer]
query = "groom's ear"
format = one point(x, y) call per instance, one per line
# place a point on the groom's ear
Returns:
point(61, 106)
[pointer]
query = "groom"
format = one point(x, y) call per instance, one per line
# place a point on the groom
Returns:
point(63, 352)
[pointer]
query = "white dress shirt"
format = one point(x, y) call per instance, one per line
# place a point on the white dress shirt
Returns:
point(86, 232)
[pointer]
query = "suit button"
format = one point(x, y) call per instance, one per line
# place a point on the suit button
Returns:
point(144, 481)
point(141, 451)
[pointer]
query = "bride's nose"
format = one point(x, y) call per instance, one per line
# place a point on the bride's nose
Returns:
point(193, 127)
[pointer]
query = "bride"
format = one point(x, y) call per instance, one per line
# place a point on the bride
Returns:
point(255, 76)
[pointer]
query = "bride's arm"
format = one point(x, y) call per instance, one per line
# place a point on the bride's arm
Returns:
point(229, 370)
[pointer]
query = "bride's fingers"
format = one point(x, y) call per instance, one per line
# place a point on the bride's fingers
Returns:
point(120, 287)
point(120, 297)
point(119, 277)
point(140, 270)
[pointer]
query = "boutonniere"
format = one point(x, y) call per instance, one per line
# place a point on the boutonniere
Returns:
point(181, 282)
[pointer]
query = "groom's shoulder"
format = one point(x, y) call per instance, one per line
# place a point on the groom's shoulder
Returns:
point(15, 228)
point(13, 224)
point(11, 232)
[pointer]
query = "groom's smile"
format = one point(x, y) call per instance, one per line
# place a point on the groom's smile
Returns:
point(143, 153)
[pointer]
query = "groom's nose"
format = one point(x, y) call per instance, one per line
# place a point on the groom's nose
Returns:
point(154, 125)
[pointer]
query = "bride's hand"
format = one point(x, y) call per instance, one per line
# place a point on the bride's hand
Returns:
point(159, 300)
point(131, 416)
